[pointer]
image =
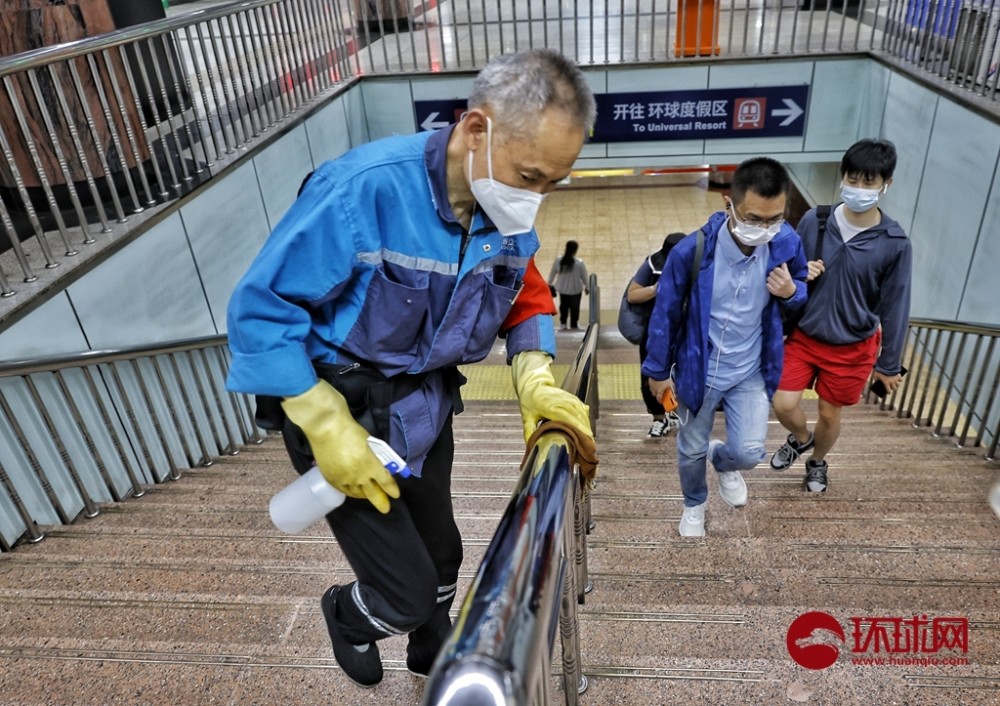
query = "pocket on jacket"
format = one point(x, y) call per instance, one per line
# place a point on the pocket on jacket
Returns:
point(392, 318)
point(412, 427)
point(496, 302)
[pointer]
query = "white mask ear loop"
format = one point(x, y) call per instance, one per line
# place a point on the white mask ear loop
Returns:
point(489, 147)
point(489, 152)
point(725, 327)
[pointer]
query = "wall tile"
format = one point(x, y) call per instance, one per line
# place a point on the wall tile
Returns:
point(51, 329)
point(908, 120)
point(979, 299)
point(280, 170)
point(148, 292)
point(954, 192)
point(834, 109)
point(328, 133)
point(956, 217)
point(225, 240)
point(388, 108)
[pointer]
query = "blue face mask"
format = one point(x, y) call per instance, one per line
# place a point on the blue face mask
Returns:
point(860, 200)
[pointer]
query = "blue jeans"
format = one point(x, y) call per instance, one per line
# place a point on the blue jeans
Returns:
point(746, 408)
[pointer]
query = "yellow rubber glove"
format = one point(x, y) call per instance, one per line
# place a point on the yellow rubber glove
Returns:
point(340, 445)
point(541, 398)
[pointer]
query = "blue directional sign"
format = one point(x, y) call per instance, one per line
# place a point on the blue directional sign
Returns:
point(431, 115)
point(706, 114)
point(771, 111)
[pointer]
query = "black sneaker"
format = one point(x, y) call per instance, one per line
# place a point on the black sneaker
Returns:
point(363, 668)
point(425, 642)
point(790, 451)
point(419, 667)
point(420, 654)
point(815, 481)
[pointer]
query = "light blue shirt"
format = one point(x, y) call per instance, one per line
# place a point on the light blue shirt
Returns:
point(739, 295)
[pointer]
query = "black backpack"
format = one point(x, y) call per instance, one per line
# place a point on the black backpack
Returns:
point(633, 319)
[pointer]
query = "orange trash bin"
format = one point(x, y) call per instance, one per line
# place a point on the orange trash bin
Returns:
point(697, 28)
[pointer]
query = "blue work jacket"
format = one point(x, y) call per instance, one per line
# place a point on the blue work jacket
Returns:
point(368, 266)
point(685, 344)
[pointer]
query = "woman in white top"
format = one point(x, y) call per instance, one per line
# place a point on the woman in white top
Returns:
point(568, 277)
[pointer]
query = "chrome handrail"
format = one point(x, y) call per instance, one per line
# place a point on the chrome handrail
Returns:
point(953, 383)
point(500, 649)
point(74, 360)
point(85, 429)
point(120, 37)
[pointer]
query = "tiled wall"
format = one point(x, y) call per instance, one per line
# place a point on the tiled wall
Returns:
point(174, 282)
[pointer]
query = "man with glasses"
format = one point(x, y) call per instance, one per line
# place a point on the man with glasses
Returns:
point(857, 314)
point(717, 341)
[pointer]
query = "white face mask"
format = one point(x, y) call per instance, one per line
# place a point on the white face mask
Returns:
point(512, 210)
point(860, 200)
point(752, 236)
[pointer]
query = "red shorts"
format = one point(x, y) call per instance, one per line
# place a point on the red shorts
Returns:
point(839, 373)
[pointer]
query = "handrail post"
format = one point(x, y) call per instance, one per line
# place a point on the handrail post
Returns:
point(573, 679)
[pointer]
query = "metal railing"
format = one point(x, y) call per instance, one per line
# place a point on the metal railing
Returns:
point(97, 427)
point(954, 40)
point(532, 577)
point(953, 382)
point(99, 133)
point(96, 131)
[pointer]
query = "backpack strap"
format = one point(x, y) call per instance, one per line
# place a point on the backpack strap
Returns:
point(652, 266)
point(790, 320)
point(822, 215)
point(699, 250)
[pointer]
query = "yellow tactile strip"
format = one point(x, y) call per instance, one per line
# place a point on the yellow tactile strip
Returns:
point(616, 381)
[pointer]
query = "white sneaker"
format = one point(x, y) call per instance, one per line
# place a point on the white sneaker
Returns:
point(693, 521)
point(732, 487)
point(657, 430)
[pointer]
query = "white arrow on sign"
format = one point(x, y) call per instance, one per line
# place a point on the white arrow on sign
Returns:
point(791, 110)
point(431, 124)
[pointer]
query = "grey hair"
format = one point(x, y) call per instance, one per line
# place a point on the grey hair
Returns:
point(519, 86)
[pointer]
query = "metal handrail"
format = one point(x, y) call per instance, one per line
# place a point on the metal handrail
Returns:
point(953, 383)
point(100, 426)
point(532, 575)
point(120, 37)
point(75, 360)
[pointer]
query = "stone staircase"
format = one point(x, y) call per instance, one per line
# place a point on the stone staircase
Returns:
point(189, 596)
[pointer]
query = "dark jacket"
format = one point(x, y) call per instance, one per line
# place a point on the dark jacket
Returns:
point(866, 282)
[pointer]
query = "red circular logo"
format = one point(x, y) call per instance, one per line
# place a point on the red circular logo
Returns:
point(814, 640)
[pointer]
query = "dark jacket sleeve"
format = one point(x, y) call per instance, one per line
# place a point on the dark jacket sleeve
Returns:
point(894, 310)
